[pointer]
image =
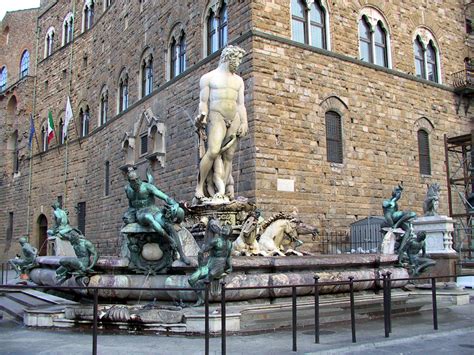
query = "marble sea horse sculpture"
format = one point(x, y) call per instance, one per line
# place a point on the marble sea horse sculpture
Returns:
point(279, 235)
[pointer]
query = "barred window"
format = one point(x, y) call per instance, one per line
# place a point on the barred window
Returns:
point(424, 152)
point(333, 137)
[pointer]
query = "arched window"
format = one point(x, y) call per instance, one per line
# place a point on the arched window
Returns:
point(380, 41)
point(178, 55)
point(374, 37)
point(147, 75)
point(68, 28)
point(426, 55)
point(217, 26)
point(123, 92)
point(298, 22)
point(84, 115)
point(3, 78)
point(104, 106)
point(424, 152)
point(88, 15)
point(24, 64)
point(49, 42)
point(333, 137)
point(309, 24)
point(365, 41)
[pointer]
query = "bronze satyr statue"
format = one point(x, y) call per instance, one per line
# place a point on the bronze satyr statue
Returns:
point(28, 262)
point(219, 262)
point(142, 210)
point(431, 203)
point(82, 264)
point(398, 219)
point(222, 113)
point(416, 262)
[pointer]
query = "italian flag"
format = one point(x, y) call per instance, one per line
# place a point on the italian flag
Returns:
point(50, 127)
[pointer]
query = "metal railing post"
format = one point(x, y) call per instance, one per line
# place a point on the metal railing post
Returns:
point(94, 329)
point(206, 317)
point(351, 289)
point(316, 309)
point(293, 314)
point(385, 306)
point(435, 306)
point(223, 319)
point(3, 268)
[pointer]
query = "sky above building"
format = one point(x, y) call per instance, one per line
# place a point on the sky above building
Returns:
point(13, 5)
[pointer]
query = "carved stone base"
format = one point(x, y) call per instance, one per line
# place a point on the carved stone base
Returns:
point(438, 231)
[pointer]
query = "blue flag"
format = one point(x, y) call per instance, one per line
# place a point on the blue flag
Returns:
point(32, 131)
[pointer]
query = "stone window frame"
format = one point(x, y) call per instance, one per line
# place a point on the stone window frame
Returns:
point(174, 67)
point(107, 4)
point(13, 148)
point(146, 61)
point(49, 42)
point(337, 105)
point(215, 9)
point(84, 120)
point(425, 125)
point(68, 29)
point(44, 136)
point(24, 64)
point(103, 106)
point(88, 15)
point(376, 19)
point(308, 4)
point(3, 78)
point(426, 38)
point(123, 91)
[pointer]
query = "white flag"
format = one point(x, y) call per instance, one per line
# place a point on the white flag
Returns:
point(67, 118)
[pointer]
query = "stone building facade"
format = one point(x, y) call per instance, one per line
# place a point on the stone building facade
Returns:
point(331, 130)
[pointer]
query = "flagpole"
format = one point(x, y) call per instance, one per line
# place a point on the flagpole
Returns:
point(30, 174)
point(71, 56)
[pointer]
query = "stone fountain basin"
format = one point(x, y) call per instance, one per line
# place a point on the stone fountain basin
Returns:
point(247, 271)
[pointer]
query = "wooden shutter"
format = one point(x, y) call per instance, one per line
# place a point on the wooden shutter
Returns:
point(333, 137)
point(424, 152)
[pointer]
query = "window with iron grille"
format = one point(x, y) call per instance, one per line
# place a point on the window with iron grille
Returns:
point(333, 137)
point(424, 152)
point(81, 217)
point(143, 144)
point(107, 178)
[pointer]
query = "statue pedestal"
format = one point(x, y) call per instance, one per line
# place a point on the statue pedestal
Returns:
point(438, 229)
point(60, 247)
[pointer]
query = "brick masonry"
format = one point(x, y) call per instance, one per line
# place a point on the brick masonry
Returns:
point(289, 87)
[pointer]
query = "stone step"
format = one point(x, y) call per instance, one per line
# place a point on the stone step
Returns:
point(11, 307)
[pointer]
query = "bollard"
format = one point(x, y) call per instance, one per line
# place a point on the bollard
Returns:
point(353, 326)
point(435, 306)
point(206, 317)
point(293, 313)
point(385, 306)
point(316, 309)
point(223, 331)
point(94, 329)
point(389, 294)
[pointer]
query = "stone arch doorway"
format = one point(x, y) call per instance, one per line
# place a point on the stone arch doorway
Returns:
point(42, 229)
